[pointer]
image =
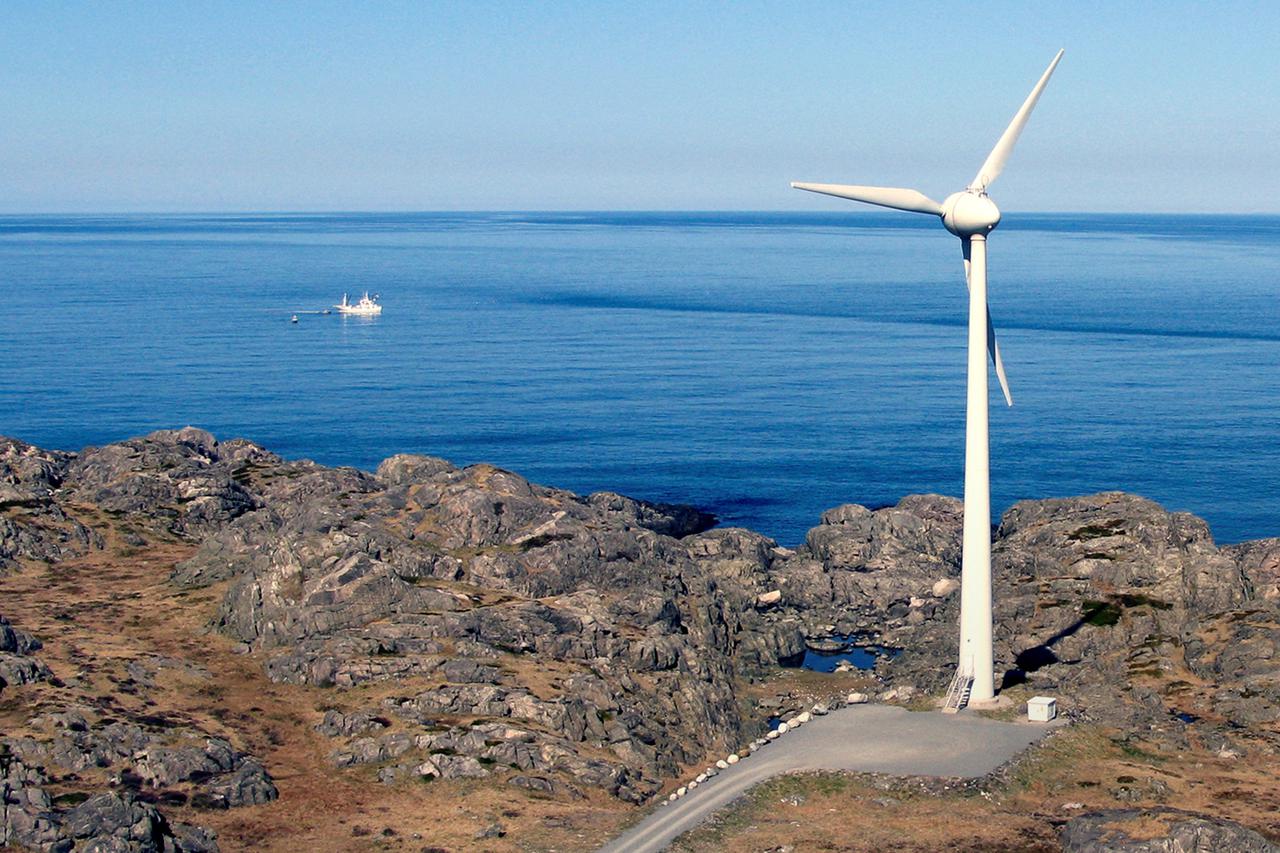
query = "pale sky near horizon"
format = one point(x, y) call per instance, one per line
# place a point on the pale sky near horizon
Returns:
point(226, 106)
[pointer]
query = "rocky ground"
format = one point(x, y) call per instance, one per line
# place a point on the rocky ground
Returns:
point(251, 652)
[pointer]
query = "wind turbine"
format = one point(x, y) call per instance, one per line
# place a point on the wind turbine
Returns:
point(970, 215)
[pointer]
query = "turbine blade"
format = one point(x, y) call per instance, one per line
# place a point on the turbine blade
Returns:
point(993, 347)
point(899, 199)
point(994, 165)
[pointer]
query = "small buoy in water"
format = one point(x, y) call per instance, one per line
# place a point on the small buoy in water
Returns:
point(293, 319)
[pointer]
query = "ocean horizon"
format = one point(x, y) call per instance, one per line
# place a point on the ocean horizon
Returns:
point(764, 366)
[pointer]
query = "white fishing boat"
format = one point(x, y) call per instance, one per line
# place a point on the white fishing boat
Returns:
point(366, 307)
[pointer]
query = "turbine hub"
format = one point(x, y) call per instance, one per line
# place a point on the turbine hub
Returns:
point(969, 213)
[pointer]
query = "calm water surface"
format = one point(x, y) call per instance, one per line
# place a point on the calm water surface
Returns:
point(764, 366)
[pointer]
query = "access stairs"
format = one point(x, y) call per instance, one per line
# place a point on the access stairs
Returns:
point(958, 692)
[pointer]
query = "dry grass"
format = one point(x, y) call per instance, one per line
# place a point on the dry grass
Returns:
point(849, 813)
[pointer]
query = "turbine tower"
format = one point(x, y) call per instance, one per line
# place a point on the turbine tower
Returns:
point(971, 216)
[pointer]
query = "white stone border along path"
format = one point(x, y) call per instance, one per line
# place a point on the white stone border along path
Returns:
point(859, 737)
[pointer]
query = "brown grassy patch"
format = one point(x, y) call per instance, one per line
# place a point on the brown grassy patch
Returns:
point(850, 813)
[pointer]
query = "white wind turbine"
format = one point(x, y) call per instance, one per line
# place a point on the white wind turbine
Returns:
point(971, 216)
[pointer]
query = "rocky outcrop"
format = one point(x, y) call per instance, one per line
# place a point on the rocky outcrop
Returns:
point(1132, 831)
point(892, 554)
point(108, 821)
point(113, 821)
point(183, 479)
point(208, 770)
point(1074, 577)
point(557, 642)
point(25, 807)
point(1245, 669)
point(1260, 562)
point(1122, 542)
point(468, 575)
point(33, 526)
point(1094, 589)
point(17, 665)
point(29, 476)
point(208, 774)
point(471, 575)
point(225, 777)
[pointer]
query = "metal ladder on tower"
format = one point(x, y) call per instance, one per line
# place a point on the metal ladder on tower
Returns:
point(958, 692)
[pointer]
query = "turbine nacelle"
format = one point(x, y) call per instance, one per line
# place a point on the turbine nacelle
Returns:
point(970, 213)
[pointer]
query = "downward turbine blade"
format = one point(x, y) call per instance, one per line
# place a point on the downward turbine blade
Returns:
point(993, 347)
point(898, 199)
point(994, 165)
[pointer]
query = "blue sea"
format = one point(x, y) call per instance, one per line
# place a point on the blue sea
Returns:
point(763, 366)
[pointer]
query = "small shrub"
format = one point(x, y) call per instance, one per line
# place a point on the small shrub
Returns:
point(1101, 613)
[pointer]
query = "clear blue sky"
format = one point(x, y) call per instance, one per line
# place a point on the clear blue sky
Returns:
point(560, 105)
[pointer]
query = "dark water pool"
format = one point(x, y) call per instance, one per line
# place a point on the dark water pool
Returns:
point(857, 649)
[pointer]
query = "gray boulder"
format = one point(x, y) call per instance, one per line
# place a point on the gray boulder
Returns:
point(224, 776)
point(338, 724)
point(17, 666)
point(1183, 832)
point(27, 817)
point(29, 476)
point(182, 479)
point(676, 520)
point(890, 555)
point(248, 784)
point(1259, 560)
point(1120, 541)
point(120, 823)
point(16, 670)
point(33, 526)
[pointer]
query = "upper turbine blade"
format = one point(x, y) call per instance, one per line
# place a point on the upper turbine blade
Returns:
point(898, 199)
point(992, 346)
point(994, 165)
